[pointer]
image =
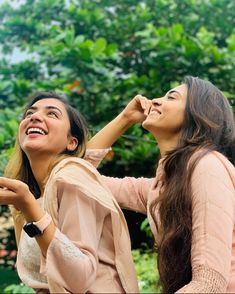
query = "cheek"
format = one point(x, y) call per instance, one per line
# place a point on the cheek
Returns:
point(62, 133)
point(21, 129)
point(180, 118)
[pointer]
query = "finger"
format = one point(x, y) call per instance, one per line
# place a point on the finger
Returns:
point(138, 98)
point(3, 188)
point(9, 184)
point(7, 197)
point(148, 105)
point(145, 104)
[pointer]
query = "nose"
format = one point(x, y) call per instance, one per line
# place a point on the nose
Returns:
point(157, 101)
point(36, 116)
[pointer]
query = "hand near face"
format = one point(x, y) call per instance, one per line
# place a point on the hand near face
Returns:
point(16, 193)
point(137, 109)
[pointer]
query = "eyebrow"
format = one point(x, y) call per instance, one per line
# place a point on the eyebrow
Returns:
point(47, 107)
point(173, 91)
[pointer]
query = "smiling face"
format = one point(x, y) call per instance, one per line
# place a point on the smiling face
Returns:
point(166, 116)
point(45, 129)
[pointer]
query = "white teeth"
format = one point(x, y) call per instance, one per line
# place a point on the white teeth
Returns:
point(35, 130)
point(153, 111)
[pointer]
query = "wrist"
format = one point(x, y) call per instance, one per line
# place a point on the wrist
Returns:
point(125, 120)
point(36, 228)
point(31, 210)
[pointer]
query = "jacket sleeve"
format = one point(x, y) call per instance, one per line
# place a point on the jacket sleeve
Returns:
point(71, 259)
point(212, 227)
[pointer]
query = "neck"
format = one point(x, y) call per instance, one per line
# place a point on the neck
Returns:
point(40, 168)
point(167, 144)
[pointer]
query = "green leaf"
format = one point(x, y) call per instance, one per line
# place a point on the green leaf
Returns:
point(85, 54)
point(58, 48)
point(111, 49)
point(78, 40)
point(11, 127)
point(69, 38)
point(2, 139)
point(176, 32)
point(205, 37)
point(100, 46)
point(231, 42)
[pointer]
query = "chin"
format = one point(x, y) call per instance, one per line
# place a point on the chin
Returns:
point(153, 129)
point(146, 125)
point(30, 149)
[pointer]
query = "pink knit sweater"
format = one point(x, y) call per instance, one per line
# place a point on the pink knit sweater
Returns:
point(213, 218)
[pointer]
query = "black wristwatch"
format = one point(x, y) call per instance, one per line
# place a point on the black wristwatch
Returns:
point(34, 229)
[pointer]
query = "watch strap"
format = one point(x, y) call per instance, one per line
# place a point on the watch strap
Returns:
point(44, 222)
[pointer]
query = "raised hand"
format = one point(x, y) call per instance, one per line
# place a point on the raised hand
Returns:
point(16, 193)
point(137, 109)
point(135, 112)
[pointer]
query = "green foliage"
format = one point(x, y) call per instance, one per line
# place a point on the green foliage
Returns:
point(146, 269)
point(8, 276)
point(8, 129)
point(145, 227)
point(17, 288)
point(145, 265)
point(101, 53)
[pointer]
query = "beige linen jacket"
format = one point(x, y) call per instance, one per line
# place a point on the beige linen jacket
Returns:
point(81, 207)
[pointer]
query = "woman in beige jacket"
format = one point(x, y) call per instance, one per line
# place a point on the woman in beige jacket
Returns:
point(190, 203)
point(71, 234)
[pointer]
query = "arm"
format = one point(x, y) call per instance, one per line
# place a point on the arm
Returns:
point(212, 227)
point(72, 248)
point(130, 192)
point(17, 194)
point(72, 257)
point(134, 112)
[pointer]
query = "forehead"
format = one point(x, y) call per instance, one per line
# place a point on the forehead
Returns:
point(50, 102)
point(182, 90)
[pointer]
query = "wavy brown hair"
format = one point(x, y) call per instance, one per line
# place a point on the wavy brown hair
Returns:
point(208, 125)
point(19, 167)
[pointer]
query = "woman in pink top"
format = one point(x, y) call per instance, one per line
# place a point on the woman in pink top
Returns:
point(191, 201)
point(72, 236)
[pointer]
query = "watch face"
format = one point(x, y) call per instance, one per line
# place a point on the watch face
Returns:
point(32, 230)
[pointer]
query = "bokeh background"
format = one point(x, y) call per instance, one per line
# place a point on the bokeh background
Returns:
point(100, 53)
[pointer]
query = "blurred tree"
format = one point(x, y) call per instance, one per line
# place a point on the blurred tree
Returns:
point(101, 53)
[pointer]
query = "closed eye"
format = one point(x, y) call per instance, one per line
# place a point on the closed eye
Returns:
point(170, 97)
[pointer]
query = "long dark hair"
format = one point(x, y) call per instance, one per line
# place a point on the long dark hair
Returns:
point(208, 125)
point(19, 166)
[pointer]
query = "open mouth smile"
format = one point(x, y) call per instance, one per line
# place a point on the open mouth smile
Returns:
point(35, 131)
point(155, 111)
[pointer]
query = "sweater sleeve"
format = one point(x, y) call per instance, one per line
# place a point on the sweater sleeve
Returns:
point(212, 227)
point(71, 259)
point(131, 193)
point(95, 156)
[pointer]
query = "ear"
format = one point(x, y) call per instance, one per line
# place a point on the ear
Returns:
point(72, 144)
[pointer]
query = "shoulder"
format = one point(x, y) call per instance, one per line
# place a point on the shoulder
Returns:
point(215, 163)
point(79, 174)
point(74, 171)
point(214, 178)
point(73, 163)
point(74, 168)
